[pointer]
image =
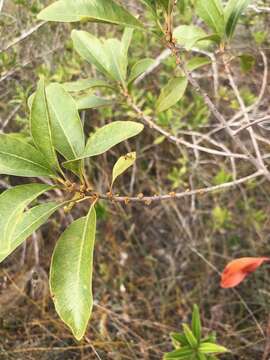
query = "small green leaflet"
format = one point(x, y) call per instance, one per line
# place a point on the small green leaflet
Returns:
point(110, 135)
point(40, 124)
point(12, 205)
point(71, 273)
point(139, 68)
point(106, 11)
point(122, 164)
point(233, 11)
point(211, 11)
point(190, 336)
point(171, 93)
point(30, 221)
point(197, 62)
point(19, 158)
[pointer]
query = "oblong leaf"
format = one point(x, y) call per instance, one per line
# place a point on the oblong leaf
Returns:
point(196, 323)
point(67, 131)
point(71, 273)
point(12, 204)
point(233, 11)
point(19, 158)
point(85, 84)
point(139, 68)
point(110, 135)
point(122, 164)
point(92, 102)
point(30, 221)
point(97, 11)
point(171, 93)
point(40, 125)
point(211, 11)
point(91, 49)
point(184, 353)
point(209, 348)
point(190, 336)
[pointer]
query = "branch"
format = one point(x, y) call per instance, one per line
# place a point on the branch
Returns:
point(171, 196)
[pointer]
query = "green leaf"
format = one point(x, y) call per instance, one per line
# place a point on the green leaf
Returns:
point(190, 336)
point(116, 61)
point(91, 49)
point(40, 124)
point(188, 35)
point(211, 11)
point(171, 93)
point(85, 84)
point(197, 62)
point(139, 68)
point(30, 221)
point(92, 102)
point(234, 9)
point(122, 164)
point(71, 274)
point(110, 135)
point(12, 204)
point(178, 338)
point(106, 11)
point(184, 353)
point(209, 348)
point(19, 158)
point(196, 323)
point(106, 55)
point(125, 44)
point(67, 131)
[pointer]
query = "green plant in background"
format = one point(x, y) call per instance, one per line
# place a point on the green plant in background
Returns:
point(57, 148)
point(191, 345)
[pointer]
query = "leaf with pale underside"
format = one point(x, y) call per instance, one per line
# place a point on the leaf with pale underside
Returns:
point(12, 205)
point(171, 93)
point(71, 274)
point(40, 124)
point(106, 11)
point(30, 221)
point(189, 36)
point(19, 158)
point(122, 164)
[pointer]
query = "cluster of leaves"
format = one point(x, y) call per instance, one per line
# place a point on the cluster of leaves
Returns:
point(190, 345)
point(57, 146)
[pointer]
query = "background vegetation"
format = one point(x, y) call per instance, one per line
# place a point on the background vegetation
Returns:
point(152, 262)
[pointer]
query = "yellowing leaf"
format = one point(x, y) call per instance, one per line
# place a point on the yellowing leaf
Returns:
point(122, 164)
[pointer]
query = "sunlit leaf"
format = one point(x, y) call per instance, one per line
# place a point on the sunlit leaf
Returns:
point(71, 274)
point(106, 11)
point(92, 102)
point(209, 348)
point(196, 323)
point(85, 84)
point(40, 124)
